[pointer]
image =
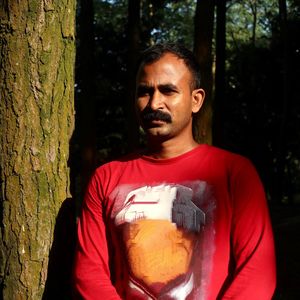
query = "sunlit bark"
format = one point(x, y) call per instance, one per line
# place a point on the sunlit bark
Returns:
point(36, 122)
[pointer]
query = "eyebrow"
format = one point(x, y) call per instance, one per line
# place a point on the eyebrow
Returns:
point(160, 86)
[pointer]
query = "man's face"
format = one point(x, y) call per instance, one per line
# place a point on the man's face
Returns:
point(164, 99)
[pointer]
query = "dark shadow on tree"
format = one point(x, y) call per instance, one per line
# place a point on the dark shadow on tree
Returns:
point(60, 266)
point(58, 284)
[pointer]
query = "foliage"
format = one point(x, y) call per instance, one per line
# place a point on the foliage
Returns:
point(110, 19)
point(171, 21)
point(255, 101)
point(250, 19)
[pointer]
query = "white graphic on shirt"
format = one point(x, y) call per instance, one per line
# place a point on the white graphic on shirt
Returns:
point(181, 291)
point(164, 229)
point(148, 203)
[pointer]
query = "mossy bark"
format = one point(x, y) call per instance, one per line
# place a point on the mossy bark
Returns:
point(36, 122)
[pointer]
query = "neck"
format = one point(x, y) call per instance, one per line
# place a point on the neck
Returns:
point(163, 149)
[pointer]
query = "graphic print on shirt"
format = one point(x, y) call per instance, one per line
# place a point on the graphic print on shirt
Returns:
point(168, 235)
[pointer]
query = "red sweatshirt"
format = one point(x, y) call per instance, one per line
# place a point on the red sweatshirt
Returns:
point(191, 227)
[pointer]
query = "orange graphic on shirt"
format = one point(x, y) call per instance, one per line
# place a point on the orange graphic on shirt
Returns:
point(157, 250)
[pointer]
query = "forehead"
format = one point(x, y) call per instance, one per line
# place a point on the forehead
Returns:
point(168, 68)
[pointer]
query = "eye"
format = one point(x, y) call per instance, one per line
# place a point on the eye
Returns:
point(143, 91)
point(168, 91)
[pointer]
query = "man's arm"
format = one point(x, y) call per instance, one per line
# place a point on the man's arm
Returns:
point(91, 269)
point(254, 274)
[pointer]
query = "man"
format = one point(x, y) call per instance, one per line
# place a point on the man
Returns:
point(181, 220)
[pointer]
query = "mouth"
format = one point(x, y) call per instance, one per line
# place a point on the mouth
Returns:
point(157, 121)
point(153, 123)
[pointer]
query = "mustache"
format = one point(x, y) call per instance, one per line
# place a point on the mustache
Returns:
point(150, 115)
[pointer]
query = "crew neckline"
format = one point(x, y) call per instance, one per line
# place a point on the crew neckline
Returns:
point(184, 155)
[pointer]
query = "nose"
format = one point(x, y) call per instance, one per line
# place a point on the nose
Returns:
point(156, 100)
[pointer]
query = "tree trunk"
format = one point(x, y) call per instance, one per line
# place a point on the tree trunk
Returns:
point(86, 104)
point(203, 37)
point(219, 102)
point(253, 6)
point(133, 34)
point(36, 122)
point(281, 141)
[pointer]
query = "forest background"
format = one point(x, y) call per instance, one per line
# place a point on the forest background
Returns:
point(249, 52)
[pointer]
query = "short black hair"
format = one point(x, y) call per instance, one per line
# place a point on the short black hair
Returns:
point(155, 52)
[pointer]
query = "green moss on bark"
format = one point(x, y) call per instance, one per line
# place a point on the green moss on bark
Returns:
point(36, 118)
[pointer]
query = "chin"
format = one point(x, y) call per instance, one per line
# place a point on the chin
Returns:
point(156, 132)
point(158, 137)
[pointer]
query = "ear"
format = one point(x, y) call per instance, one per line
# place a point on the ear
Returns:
point(198, 96)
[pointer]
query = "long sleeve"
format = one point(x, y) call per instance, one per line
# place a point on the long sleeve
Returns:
point(91, 269)
point(252, 239)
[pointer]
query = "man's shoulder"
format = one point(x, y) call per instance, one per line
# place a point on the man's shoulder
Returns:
point(229, 159)
point(225, 154)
